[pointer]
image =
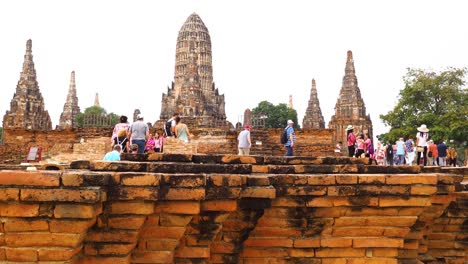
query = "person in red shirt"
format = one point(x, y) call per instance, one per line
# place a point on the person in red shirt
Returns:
point(432, 153)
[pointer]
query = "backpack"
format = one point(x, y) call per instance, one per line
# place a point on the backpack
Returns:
point(284, 136)
point(167, 128)
point(429, 154)
point(389, 150)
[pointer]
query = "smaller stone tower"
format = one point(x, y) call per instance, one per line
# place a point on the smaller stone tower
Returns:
point(27, 106)
point(70, 108)
point(290, 103)
point(96, 100)
point(313, 117)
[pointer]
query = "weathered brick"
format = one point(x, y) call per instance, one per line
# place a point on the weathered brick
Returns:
point(384, 252)
point(264, 252)
point(177, 207)
point(301, 253)
point(219, 205)
point(259, 169)
point(70, 226)
point(21, 254)
point(376, 221)
point(259, 192)
point(192, 252)
point(62, 195)
point(19, 210)
point(372, 261)
point(9, 194)
point(22, 178)
point(423, 189)
point(135, 193)
point(305, 190)
point(152, 257)
point(139, 208)
point(398, 201)
point(411, 179)
point(346, 179)
point(174, 220)
point(42, 239)
point(307, 243)
point(321, 180)
point(19, 225)
point(371, 179)
point(184, 180)
point(275, 232)
point(139, 179)
point(116, 236)
point(225, 180)
point(371, 231)
point(104, 260)
point(377, 242)
point(222, 247)
point(78, 178)
point(320, 202)
point(340, 252)
point(336, 242)
point(125, 222)
point(184, 194)
point(57, 254)
point(167, 232)
point(74, 211)
point(268, 242)
point(355, 201)
point(162, 244)
point(115, 249)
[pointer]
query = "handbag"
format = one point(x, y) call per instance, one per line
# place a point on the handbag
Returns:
point(420, 149)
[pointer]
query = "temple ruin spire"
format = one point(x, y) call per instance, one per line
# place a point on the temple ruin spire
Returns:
point(96, 100)
point(350, 108)
point(313, 117)
point(193, 76)
point(70, 108)
point(290, 102)
point(27, 106)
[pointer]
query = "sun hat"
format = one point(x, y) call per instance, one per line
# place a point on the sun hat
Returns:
point(350, 127)
point(423, 128)
point(140, 116)
point(248, 127)
point(290, 121)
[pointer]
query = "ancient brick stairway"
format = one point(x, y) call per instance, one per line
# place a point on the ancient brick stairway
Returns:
point(162, 208)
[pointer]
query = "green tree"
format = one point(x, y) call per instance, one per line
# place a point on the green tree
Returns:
point(97, 111)
point(437, 99)
point(1, 134)
point(276, 116)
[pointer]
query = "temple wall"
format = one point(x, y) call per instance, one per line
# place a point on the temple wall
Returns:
point(232, 209)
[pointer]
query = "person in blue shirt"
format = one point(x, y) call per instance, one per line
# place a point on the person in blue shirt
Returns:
point(114, 155)
point(291, 138)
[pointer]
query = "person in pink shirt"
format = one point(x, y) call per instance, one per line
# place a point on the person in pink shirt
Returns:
point(158, 142)
point(361, 146)
point(150, 143)
point(351, 140)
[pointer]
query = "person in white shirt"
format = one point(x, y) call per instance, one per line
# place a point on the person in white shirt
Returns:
point(244, 141)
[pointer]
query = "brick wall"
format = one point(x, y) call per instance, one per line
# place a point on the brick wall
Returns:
point(174, 208)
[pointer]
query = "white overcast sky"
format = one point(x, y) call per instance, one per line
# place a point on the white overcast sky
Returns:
point(262, 50)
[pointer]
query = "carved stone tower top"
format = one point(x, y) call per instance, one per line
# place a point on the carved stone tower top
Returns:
point(350, 108)
point(96, 100)
point(193, 93)
point(70, 108)
point(27, 106)
point(313, 117)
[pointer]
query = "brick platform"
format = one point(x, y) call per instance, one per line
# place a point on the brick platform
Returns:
point(173, 208)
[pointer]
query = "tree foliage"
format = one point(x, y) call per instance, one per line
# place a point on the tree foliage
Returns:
point(437, 99)
point(110, 119)
point(276, 116)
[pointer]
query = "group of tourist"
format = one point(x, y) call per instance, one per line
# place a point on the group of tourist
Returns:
point(424, 151)
point(135, 138)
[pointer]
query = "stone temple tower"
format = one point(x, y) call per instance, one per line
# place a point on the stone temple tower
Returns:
point(27, 106)
point(193, 92)
point(313, 117)
point(70, 108)
point(350, 108)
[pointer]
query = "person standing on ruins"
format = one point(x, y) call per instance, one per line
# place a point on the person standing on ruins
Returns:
point(244, 141)
point(181, 130)
point(169, 127)
point(122, 125)
point(138, 133)
point(421, 142)
point(291, 138)
point(351, 140)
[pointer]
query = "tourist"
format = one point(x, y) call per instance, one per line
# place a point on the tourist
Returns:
point(244, 141)
point(158, 142)
point(122, 140)
point(122, 125)
point(139, 132)
point(442, 151)
point(421, 142)
point(452, 156)
point(169, 127)
point(338, 147)
point(432, 153)
point(400, 151)
point(133, 149)
point(181, 130)
point(369, 148)
point(389, 154)
point(114, 155)
point(351, 140)
point(150, 143)
point(410, 150)
point(380, 150)
point(361, 146)
point(289, 145)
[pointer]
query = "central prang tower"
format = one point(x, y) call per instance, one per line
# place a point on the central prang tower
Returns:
point(193, 93)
